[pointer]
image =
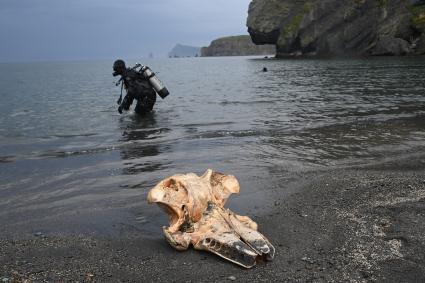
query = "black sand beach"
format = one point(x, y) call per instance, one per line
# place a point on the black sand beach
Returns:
point(359, 224)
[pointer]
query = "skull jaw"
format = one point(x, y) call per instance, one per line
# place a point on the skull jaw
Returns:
point(177, 240)
point(221, 232)
point(175, 215)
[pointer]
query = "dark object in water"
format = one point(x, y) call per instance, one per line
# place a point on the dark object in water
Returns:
point(141, 84)
point(265, 69)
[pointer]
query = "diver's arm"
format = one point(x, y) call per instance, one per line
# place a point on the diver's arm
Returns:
point(126, 102)
point(130, 96)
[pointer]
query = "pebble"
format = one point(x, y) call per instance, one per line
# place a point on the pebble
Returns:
point(306, 259)
point(89, 276)
point(232, 278)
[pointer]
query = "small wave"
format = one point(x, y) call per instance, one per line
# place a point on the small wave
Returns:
point(73, 135)
point(61, 154)
point(21, 113)
point(7, 159)
point(221, 134)
point(205, 124)
point(253, 102)
point(143, 134)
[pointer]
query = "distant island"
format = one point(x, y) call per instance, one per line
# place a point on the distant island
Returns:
point(339, 27)
point(240, 45)
point(181, 50)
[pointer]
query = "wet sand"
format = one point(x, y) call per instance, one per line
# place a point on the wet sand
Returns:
point(359, 223)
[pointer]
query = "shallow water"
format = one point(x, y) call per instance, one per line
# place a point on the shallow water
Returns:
point(69, 162)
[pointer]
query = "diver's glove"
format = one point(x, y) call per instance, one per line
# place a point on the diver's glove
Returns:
point(120, 109)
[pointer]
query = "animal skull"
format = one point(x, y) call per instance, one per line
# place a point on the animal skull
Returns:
point(195, 206)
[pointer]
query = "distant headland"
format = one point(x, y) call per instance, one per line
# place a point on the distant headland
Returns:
point(181, 50)
point(240, 45)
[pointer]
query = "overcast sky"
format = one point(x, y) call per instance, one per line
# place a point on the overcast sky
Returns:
point(106, 29)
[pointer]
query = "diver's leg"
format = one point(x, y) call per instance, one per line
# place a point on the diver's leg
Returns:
point(144, 105)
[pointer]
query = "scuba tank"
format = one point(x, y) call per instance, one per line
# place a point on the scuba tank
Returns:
point(157, 85)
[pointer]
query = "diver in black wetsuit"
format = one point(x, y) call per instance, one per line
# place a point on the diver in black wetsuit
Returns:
point(137, 87)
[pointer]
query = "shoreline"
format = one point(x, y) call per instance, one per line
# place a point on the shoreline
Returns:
point(360, 223)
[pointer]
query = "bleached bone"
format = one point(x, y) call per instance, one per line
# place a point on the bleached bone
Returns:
point(195, 206)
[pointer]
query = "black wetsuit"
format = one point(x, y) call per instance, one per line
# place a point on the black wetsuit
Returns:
point(140, 89)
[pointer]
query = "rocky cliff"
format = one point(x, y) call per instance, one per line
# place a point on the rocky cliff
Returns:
point(339, 27)
point(241, 45)
point(184, 51)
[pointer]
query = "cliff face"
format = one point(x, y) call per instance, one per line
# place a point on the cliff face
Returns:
point(339, 27)
point(236, 46)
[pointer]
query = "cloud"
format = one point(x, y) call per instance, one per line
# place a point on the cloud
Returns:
point(79, 29)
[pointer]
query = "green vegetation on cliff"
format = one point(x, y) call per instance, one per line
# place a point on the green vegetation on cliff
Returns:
point(418, 16)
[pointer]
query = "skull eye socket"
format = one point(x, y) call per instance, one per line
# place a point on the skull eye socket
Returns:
point(167, 183)
point(172, 184)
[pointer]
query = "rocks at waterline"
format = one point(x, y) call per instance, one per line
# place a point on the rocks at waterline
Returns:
point(240, 45)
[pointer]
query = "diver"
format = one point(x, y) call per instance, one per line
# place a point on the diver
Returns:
point(141, 85)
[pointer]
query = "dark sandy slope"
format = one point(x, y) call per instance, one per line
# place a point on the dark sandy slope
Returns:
point(356, 224)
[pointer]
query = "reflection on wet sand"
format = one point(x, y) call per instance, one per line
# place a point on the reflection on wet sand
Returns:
point(139, 144)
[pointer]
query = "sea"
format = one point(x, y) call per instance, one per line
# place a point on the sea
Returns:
point(70, 163)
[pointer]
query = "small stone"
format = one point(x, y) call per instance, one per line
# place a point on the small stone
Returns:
point(89, 276)
point(232, 278)
point(306, 259)
point(38, 234)
point(276, 203)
